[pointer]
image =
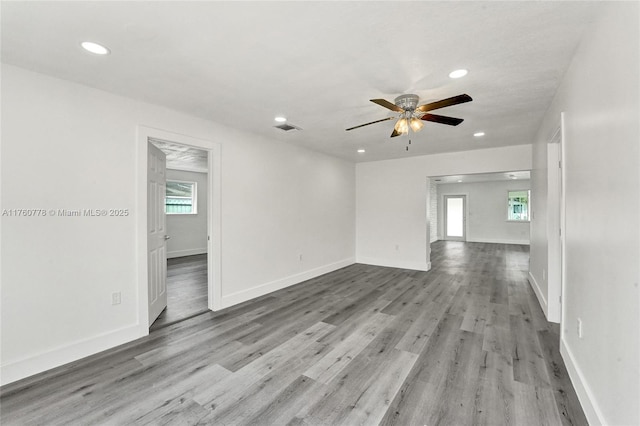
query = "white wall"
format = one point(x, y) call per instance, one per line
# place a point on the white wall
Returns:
point(391, 200)
point(486, 211)
point(69, 146)
point(188, 232)
point(600, 97)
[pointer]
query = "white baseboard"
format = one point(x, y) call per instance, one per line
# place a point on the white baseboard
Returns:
point(498, 241)
point(17, 370)
point(538, 291)
point(585, 395)
point(392, 263)
point(189, 252)
point(261, 290)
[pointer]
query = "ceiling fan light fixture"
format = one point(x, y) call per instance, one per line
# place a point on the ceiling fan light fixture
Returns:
point(478, 134)
point(416, 124)
point(280, 119)
point(402, 126)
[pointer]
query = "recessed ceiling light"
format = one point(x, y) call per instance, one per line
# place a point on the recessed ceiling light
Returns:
point(361, 151)
point(280, 119)
point(458, 73)
point(459, 181)
point(478, 134)
point(96, 48)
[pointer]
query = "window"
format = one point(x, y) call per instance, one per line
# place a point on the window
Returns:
point(518, 205)
point(180, 198)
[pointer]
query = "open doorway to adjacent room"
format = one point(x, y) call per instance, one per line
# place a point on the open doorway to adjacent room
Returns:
point(180, 267)
point(484, 207)
point(454, 217)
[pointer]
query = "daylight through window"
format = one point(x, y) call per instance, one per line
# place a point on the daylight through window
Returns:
point(180, 197)
point(518, 205)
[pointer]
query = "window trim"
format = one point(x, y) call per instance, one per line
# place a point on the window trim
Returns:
point(528, 206)
point(194, 198)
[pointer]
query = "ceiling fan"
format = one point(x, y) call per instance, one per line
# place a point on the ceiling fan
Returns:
point(412, 116)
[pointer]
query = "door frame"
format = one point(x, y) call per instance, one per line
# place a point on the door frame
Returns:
point(563, 223)
point(464, 218)
point(554, 227)
point(214, 284)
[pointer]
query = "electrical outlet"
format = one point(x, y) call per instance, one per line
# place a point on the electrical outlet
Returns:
point(579, 328)
point(116, 298)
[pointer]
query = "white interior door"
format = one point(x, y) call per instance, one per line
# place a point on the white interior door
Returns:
point(454, 217)
point(156, 232)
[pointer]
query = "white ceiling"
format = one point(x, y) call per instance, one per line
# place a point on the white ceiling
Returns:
point(182, 157)
point(483, 177)
point(317, 63)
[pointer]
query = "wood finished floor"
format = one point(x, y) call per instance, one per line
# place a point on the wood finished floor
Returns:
point(186, 289)
point(463, 344)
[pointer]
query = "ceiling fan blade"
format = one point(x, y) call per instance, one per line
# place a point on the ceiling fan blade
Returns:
point(451, 121)
point(460, 99)
point(387, 104)
point(373, 122)
point(395, 133)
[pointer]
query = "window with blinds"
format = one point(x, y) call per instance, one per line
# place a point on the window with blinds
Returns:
point(180, 198)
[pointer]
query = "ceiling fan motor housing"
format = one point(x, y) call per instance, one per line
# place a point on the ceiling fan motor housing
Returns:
point(407, 102)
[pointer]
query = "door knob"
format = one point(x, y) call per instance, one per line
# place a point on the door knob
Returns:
point(167, 237)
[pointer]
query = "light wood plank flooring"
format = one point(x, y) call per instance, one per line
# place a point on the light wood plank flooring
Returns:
point(186, 289)
point(463, 344)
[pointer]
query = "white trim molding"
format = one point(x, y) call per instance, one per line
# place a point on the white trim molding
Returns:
point(498, 241)
point(62, 355)
point(391, 263)
point(585, 395)
point(188, 252)
point(266, 288)
point(541, 299)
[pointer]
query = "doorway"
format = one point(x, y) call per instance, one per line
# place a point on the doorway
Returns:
point(183, 211)
point(199, 264)
point(455, 217)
